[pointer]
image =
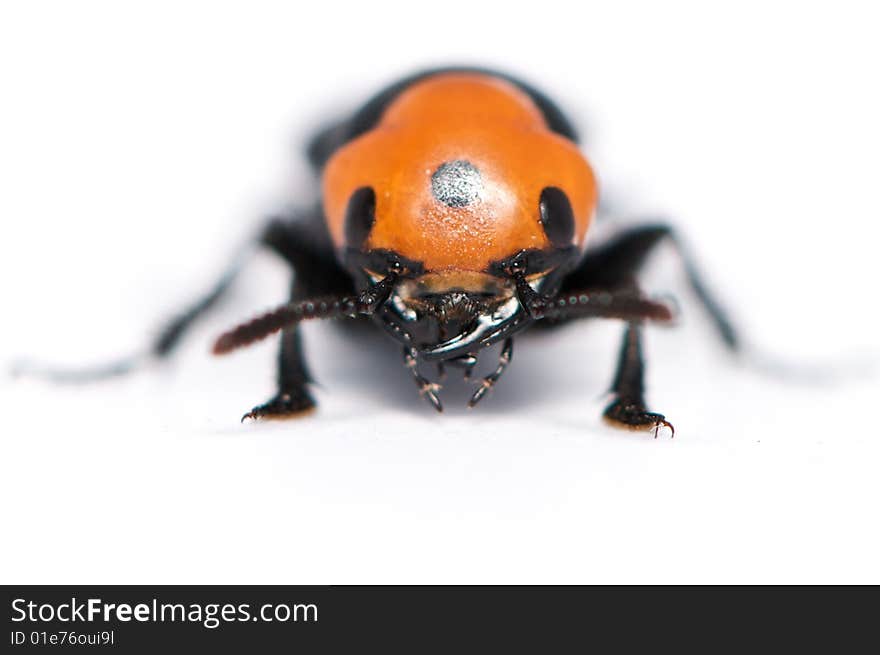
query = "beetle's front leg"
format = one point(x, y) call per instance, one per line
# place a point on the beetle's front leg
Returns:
point(293, 397)
point(305, 247)
point(628, 409)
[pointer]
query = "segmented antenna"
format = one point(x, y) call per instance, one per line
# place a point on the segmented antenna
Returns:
point(363, 304)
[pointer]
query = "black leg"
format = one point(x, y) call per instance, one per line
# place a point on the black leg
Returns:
point(173, 332)
point(616, 264)
point(293, 397)
point(290, 240)
point(488, 382)
point(308, 250)
point(306, 246)
point(169, 337)
point(628, 407)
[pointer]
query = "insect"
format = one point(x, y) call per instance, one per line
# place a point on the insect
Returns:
point(454, 210)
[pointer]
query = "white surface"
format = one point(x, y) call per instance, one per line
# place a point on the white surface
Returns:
point(142, 146)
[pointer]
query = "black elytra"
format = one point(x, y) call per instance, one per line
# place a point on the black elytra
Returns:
point(557, 217)
point(360, 216)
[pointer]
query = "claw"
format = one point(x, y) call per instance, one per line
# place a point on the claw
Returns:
point(282, 406)
point(635, 417)
point(664, 423)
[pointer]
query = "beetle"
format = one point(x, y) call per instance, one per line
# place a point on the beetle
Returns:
point(454, 210)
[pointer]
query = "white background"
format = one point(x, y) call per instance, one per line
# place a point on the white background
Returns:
point(142, 144)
